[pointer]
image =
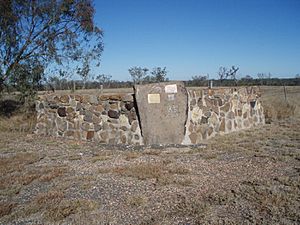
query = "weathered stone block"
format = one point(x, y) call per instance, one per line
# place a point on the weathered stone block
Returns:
point(86, 126)
point(193, 137)
point(162, 109)
point(99, 108)
point(53, 105)
point(104, 135)
point(113, 114)
point(78, 106)
point(96, 119)
point(78, 98)
point(225, 107)
point(229, 125)
point(193, 102)
point(123, 128)
point(240, 112)
point(88, 116)
point(210, 131)
point(123, 139)
point(85, 99)
point(90, 135)
point(131, 116)
point(134, 126)
point(252, 104)
point(204, 120)
point(64, 99)
point(230, 115)
point(222, 125)
point(113, 106)
point(213, 119)
point(61, 124)
point(71, 116)
point(93, 100)
point(97, 127)
point(129, 105)
point(207, 114)
point(62, 111)
point(113, 121)
point(41, 105)
point(127, 98)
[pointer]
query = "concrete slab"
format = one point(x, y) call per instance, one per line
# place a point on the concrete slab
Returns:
point(162, 109)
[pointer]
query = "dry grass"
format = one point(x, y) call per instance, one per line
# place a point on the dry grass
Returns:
point(48, 174)
point(14, 117)
point(17, 162)
point(132, 155)
point(276, 106)
point(102, 156)
point(56, 206)
point(136, 200)
point(6, 208)
point(160, 172)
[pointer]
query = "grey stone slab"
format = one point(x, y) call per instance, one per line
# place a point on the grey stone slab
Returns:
point(162, 109)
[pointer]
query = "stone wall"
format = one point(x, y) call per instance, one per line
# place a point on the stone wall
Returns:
point(113, 119)
point(219, 111)
point(109, 119)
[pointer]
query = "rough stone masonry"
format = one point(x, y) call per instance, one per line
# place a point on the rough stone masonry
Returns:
point(164, 113)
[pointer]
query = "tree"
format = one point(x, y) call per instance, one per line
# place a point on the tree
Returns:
point(264, 76)
point(104, 79)
point(225, 73)
point(84, 71)
point(57, 34)
point(54, 83)
point(199, 80)
point(27, 80)
point(222, 73)
point(159, 74)
point(138, 74)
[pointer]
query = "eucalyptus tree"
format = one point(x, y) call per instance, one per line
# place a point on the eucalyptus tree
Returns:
point(47, 35)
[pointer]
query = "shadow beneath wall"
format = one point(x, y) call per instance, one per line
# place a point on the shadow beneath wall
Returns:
point(8, 107)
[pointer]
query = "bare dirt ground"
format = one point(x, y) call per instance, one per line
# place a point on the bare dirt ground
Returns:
point(249, 177)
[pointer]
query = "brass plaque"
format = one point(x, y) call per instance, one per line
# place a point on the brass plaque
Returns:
point(153, 98)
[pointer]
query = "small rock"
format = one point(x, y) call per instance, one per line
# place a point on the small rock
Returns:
point(113, 114)
point(62, 112)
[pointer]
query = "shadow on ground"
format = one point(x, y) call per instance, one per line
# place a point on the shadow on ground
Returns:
point(8, 107)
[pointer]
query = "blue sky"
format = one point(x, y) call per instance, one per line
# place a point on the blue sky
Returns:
point(196, 37)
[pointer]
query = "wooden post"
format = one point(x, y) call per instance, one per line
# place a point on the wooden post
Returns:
point(284, 93)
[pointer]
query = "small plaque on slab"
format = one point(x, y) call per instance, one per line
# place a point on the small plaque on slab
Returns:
point(153, 98)
point(171, 88)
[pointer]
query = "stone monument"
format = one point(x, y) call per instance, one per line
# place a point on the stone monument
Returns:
point(162, 108)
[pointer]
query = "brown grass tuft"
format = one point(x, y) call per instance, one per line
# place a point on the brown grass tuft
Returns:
point(163, 174)
point(52, 173)
point(50, 197)
point(24, 123)
point(58, 212)
point(17, 162)
point(142, 171)
point(136, 200)
point(6, 208)
point(132, 155)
